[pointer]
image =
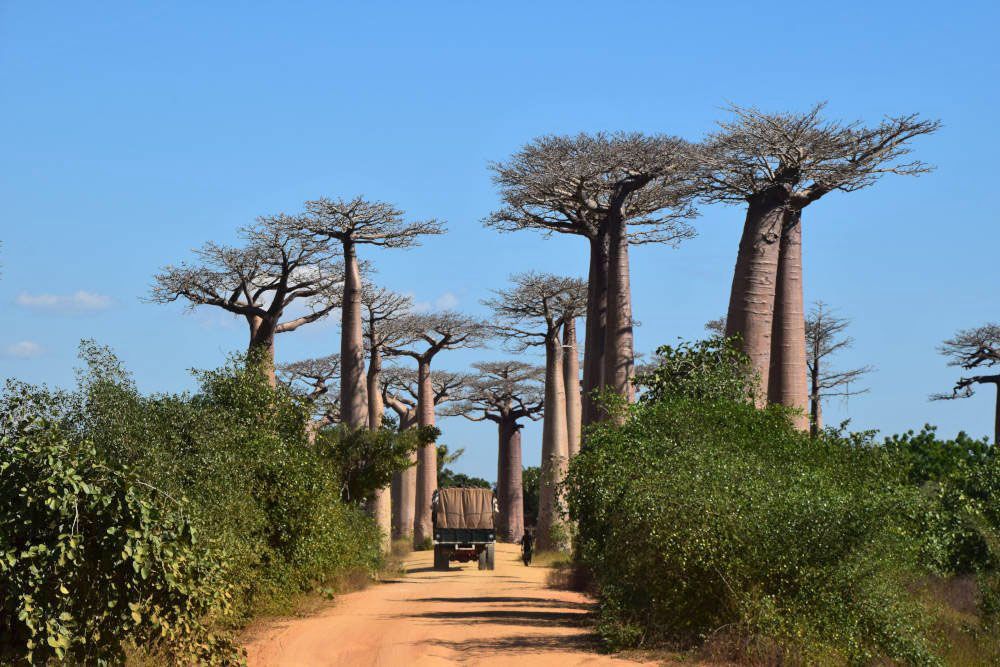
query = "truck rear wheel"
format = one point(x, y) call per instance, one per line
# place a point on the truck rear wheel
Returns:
point(440, 557)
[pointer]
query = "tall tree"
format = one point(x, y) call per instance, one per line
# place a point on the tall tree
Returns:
point(259, 281)
point(613, 190)
point(505, 392)
point(532, 313)
point(571, 384)
point(381, 311)
point(312, 379)
point(776, 165)
point(972, 349)
point(823, 330)
point(426, 336)
point(353, 223)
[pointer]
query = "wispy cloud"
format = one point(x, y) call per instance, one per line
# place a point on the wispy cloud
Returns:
point(446, 301)
point(80, 301)
point(25, 349)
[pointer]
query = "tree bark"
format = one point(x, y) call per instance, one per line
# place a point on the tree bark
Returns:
point(619, 355)
point(996, 418)
point(815, 405)
point(353, 392)
point(751, 301)
point(571, 375)
point(404, 487)
point(788, 370)
point(595, 327)
point(426, 458)
point(555, 449)
point(381, 505)
point(503, 442)
point(512, 505)
point(260, 352)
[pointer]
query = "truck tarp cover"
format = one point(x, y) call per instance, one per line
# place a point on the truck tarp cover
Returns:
point(465, 508)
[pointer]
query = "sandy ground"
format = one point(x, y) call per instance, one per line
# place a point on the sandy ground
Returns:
point(463, 616)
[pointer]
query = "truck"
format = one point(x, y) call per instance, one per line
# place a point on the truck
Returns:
point(464, 522)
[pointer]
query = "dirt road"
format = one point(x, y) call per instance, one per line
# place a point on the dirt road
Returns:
point(463, 616)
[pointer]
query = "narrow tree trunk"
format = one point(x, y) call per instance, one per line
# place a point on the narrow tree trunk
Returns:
point(996, 418)
point(619, 355)
point(751, 302)
point(404, 488)
point(396, 503)
point(789, 371)
point(381, 504)
point(353, 392)
point(555, 449)
point(595, 327)
point(260, 352)
point(426, 458)
point(571, 375)
point(815, 406)
point(514, 496)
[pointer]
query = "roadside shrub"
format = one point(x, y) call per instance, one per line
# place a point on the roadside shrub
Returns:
point(702, 520)
point(92, 557)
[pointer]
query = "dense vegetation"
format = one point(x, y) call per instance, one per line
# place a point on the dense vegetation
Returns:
point(163, 520)
point(705, 521)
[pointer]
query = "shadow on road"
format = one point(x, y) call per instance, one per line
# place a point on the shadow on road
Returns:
point(514, 601)
point(569, 619)
point(472, 648)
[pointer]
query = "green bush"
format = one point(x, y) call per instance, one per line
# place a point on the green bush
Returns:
point(703, 519)
point(92, 557)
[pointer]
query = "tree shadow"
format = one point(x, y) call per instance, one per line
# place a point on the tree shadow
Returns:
point(472, 648)
point(567, 619)
point(510, 600)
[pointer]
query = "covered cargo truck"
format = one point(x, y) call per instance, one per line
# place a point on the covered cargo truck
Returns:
point(464, 527)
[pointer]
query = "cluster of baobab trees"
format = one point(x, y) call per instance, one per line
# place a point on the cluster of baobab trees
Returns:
point(613, 190)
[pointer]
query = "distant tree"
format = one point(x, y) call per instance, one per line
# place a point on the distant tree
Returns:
point(424, 337)
point(312, 378)
point(259, 281)
point(448, 478)
point(353, 223)
point(776, 165)
point(823, 339)
point(973, 349)
point(717, 326)
point(505, 392)
point(532, 313)
point(531, 480)
point(612, 190)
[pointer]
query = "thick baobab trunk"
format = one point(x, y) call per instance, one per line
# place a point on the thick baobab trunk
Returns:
point(260, 352)
point(381, 504)
point(619, 355)
point(555, 449)
point(595, 327)
point(571, 385)
point(789, 371)
point(426, 459)
point(751, 301)
point(396, 505)
point(353, 392)
point(404, 489)
point(501, 490)
point(512, 502)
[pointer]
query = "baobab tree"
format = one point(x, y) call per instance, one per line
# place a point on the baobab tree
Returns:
point(400, 390)
point(259, 281)
point(425, 336)
point(823, 339)
point(776, 165)
point(571, 383)
point(532, 313)
point(505, 392)
point(612, 190)
point(381, 311)
point(972, 349)
point(353, 223)
point(312, 378)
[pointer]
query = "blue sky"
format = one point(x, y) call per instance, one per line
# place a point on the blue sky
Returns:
point(133, 132)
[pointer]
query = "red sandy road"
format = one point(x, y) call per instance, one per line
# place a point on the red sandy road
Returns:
point(464, 616)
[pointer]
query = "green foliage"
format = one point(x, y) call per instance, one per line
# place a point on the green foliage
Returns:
point(92, 557)
point(705, 518)
point(925, 457)
point(449, 478)
point(265, 502)
point(365, 460)
point(713, 369)
point(531, 483)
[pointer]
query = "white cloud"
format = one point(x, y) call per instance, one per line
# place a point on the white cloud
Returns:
point(446, 301)
point(24, 349)
point(80, 301)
